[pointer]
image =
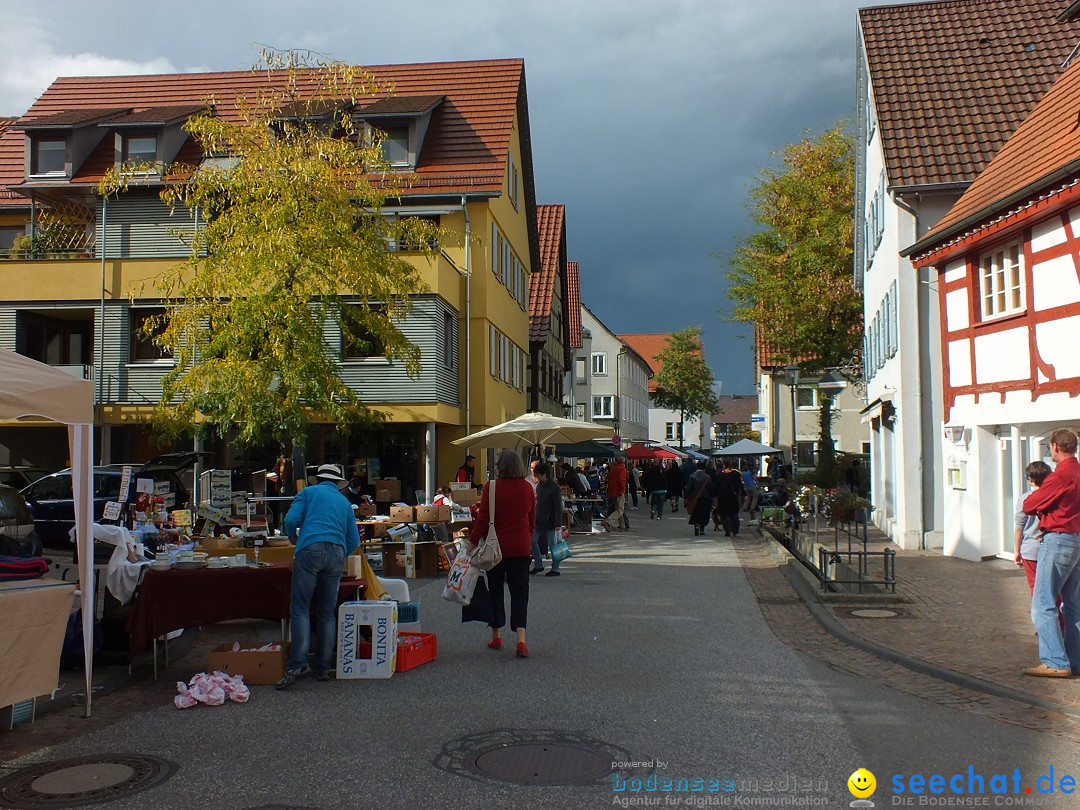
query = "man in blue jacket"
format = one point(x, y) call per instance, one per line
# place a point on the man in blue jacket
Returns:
point(327, 535)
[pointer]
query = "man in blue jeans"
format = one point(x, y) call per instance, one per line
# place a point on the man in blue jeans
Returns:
point(327, 535)
point(1057, 572)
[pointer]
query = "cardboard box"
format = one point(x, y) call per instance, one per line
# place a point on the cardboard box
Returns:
point(402, 514)
point(467, 497)
point(421, 560)
point(433, 514)
point(387, 490)
point(393, 559)
point(256, 667)
point(414, 649)
point(357, 619)
point(365, 509)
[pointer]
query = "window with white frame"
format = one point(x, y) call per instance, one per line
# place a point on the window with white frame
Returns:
point(603, 406)
point(49, 156)
point(599, 363)
point(496, 250)
point(806, 396)
point(1001, 282)
point(672, 431)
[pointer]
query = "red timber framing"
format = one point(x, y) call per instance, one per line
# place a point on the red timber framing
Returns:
point(1028, 319)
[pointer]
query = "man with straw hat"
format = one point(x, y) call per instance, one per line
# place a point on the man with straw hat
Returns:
point(327, 534)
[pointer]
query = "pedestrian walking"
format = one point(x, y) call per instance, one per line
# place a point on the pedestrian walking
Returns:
point(655, 489)
point(1027, 532)
point(853, 476)
point(633, 482)
point(729, 496)
point(616, 492)
point(1057, 572)
point(699, 494)
point(753, 494)
point(674, 479)
point(515, 521)
point(548, 520)
point(322, 520)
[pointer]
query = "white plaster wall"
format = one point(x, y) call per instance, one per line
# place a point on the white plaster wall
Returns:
point(1002, 356)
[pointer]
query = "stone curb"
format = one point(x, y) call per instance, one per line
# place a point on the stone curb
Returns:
point(789, 567)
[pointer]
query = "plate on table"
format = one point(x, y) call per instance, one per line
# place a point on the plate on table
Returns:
point(189, 565)
point(160, 566)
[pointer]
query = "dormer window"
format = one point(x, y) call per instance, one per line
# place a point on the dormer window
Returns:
point(395, 146)
point(140, 149)
point(402, 122)
point(49, 157)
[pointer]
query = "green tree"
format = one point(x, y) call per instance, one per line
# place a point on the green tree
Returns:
point(792, 278)
point(294, 239)
point(684, 382)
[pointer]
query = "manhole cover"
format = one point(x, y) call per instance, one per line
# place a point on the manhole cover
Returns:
point(533, 757)
point(874, 613)
point(83, 781)
point(538, 764)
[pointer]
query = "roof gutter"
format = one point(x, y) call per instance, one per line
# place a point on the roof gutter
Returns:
point(1002, 205)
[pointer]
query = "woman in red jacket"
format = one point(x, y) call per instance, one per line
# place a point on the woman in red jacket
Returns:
point(515, 519)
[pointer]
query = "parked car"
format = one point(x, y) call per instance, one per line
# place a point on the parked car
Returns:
point(20, 475)
point(17, 535)
point(51, 501)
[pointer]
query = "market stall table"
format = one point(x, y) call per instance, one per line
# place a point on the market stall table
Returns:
point(267, 554)
point(35, 616)
point(584, 510)
point(175, 599)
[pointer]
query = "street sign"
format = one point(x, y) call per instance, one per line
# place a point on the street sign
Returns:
point(756, 419)
point(616, 440)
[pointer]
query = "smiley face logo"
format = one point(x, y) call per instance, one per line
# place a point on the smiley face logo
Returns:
point(861, 783)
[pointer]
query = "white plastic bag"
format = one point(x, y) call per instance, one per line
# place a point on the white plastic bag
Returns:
point(461, 581)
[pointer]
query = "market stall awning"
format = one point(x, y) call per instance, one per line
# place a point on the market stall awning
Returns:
point(535, 429)
point(746, 447)
point(588, 449)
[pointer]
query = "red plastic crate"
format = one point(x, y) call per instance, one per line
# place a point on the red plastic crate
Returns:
point(414, 649)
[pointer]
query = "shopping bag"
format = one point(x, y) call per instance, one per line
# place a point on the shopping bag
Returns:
point(488, 553)
point(461, 580)
point(560, 550)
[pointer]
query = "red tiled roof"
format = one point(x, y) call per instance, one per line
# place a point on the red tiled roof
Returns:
point(952, 80)
point(649, 346)
point(573, 304)
point(736, 409)
point(551, 223)
point(464, 152)
point(1047, 141)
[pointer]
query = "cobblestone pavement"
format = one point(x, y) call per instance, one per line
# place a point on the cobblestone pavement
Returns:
point(969, 618)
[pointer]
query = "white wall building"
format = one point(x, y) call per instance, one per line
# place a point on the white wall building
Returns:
point(923, 134)
point(1006, 259)
point(619, 379)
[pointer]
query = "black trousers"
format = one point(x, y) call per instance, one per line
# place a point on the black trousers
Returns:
point(514, 571)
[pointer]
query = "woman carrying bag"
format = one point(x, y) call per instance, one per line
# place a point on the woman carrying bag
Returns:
point(508, 504)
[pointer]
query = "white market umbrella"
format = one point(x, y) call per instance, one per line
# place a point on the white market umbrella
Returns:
point(534, 429)
point(746, 447)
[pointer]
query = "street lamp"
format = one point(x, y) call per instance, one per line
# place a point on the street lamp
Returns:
point(793, 381)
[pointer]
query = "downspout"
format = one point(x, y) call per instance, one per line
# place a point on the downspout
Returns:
point(101, 311)
point(468, 317)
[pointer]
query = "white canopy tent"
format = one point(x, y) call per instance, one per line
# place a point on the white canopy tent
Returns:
point(32, 389)
point(746, 447)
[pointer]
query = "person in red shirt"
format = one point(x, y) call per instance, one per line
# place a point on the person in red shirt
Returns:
point(1057, 573)
point(616, 492)
point(466, 473)
point(515, 521)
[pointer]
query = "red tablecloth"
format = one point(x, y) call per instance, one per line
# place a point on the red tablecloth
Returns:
point(171, 600)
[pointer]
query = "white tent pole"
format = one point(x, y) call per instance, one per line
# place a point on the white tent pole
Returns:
point(81, 441)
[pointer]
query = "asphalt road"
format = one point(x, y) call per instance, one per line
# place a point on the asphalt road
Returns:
point(650, 645)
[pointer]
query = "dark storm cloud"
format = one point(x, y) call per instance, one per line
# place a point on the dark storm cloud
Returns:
point(650, 120)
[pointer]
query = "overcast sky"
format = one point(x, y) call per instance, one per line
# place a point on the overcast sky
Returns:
point(650, 118)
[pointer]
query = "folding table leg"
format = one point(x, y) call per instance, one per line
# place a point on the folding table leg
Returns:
point(155, 658)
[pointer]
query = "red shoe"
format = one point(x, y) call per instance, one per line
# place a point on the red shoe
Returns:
point(522, 650)
point(495, 644)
